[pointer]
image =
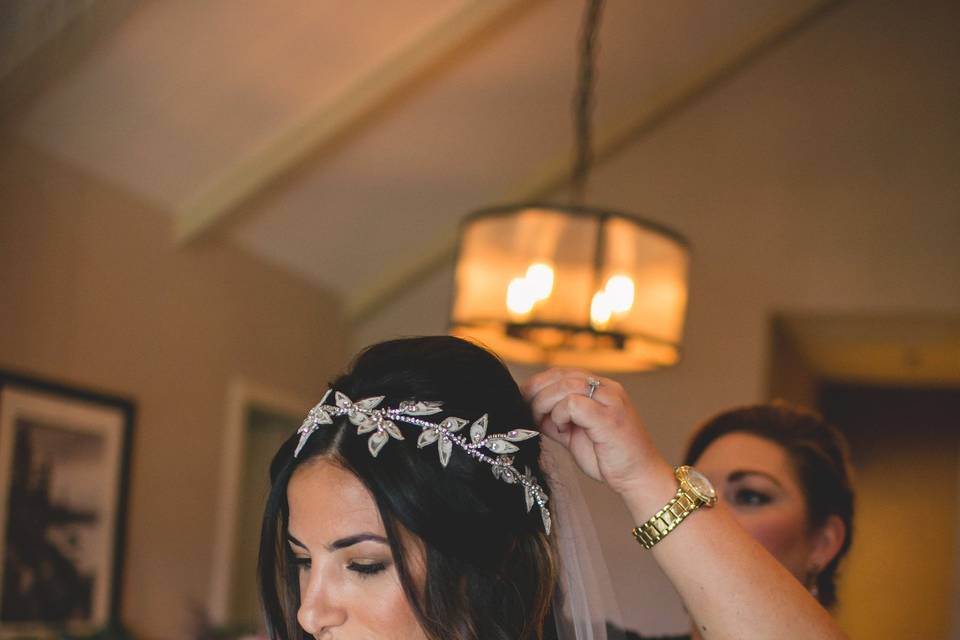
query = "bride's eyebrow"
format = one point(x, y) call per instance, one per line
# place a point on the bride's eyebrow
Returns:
point(342, 543)
point(296, 542)
point(349, 541)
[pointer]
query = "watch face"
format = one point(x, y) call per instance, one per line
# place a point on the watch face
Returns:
point(699, 483)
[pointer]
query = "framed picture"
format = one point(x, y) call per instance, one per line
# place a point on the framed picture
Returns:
point(64, 464)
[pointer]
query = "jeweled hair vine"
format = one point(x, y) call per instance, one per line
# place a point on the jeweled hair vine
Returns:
point(494, 449)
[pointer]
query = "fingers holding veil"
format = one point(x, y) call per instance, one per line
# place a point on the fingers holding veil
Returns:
point(593, 418)
point(572, 397)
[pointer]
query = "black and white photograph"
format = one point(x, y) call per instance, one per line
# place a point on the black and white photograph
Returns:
point(62, 462)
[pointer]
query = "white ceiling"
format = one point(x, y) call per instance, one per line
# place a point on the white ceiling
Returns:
point(170, 102)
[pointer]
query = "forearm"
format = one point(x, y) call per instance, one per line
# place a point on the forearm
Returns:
point(731, 586)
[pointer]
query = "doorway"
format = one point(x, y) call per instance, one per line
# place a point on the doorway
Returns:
point(259, 420)
point(892, 385)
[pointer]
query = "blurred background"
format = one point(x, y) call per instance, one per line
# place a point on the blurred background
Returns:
point(207, 207)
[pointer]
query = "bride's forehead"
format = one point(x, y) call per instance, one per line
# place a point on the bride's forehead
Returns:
point(327, 496)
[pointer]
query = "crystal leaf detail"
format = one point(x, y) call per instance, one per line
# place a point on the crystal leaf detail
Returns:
point(304, 436)
point(376, 442)
point(420, 407)
point(445, 447)
point(321, 416)
point(307, 425)
point(391, 428)
point(428, 436)
point(519, 435)
point(528, 488)
point(361, 419)
point(502, 469)
point(320, 413)
point(547, 522)
point(453, 424)
point(499, 445)
point(368, 403)
point(343, 401)
point(365, 427)
point(479, 429)
point(502, 462)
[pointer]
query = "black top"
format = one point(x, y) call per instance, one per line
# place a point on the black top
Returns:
point(615, 633)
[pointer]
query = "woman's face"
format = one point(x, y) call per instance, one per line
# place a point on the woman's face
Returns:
point(756, 479)
point(349, 587)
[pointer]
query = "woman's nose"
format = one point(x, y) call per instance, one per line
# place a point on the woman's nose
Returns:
point(318, 612)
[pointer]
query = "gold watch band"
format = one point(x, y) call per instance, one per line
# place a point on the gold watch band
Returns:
point(666, 520)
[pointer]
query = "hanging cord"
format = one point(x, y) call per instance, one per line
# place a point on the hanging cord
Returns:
point(583, 100)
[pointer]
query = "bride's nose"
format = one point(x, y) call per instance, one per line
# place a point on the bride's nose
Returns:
point(319, 610)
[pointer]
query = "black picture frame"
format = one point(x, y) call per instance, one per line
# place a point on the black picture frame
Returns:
point(65, 455)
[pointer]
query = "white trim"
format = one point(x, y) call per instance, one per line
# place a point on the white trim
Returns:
point(241, 394)
point(364, 99)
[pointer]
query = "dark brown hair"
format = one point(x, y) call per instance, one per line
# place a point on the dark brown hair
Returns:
point(491, 572)
point(820, 458)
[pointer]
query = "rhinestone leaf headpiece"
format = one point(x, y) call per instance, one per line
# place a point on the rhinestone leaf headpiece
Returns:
point(381, 424)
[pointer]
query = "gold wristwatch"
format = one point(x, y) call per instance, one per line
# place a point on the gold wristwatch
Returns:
point(695, 491)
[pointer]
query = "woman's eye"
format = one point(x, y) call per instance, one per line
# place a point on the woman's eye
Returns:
point(366, 570)
point(750, 498)
point(301, 563)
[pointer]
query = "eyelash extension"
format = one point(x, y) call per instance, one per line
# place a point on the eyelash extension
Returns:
point(367, 570)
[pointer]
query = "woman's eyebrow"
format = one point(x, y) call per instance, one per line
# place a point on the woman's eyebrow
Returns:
point(342, 543)
point(296, 542)
point(349, 541)
point(741, 473)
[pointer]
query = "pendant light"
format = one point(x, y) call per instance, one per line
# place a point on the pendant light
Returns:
point(569, 284)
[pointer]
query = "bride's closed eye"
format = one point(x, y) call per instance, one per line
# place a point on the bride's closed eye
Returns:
point(367, 569)
point(363, 569)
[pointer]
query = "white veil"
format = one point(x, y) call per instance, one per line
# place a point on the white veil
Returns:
point(585, 601)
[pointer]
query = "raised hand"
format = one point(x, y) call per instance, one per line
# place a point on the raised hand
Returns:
point(598, 424)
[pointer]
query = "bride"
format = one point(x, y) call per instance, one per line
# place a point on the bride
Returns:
point(414, 503)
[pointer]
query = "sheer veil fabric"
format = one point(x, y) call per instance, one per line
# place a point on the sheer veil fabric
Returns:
point(585, 601)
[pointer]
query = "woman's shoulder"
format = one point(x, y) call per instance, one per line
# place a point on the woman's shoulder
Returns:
point(615, 633)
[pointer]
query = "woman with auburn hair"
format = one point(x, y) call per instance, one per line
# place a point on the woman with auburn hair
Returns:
point(414, 503)
point(785, 473)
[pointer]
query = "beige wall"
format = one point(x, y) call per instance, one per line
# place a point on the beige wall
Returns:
point(826, 177)
point(93, 293)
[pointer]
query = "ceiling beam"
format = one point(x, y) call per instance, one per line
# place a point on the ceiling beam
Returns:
point(356, 106)
point(611, 138)
point(48, 39)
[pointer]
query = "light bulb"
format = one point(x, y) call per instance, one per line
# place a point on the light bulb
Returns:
point(540, 280)
point(620, 291)
point(600, 310)
point(520, 297)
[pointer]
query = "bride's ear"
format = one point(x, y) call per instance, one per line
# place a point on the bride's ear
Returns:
point(827, 541)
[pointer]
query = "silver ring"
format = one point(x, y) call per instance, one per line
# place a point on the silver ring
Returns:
point(592, 383)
